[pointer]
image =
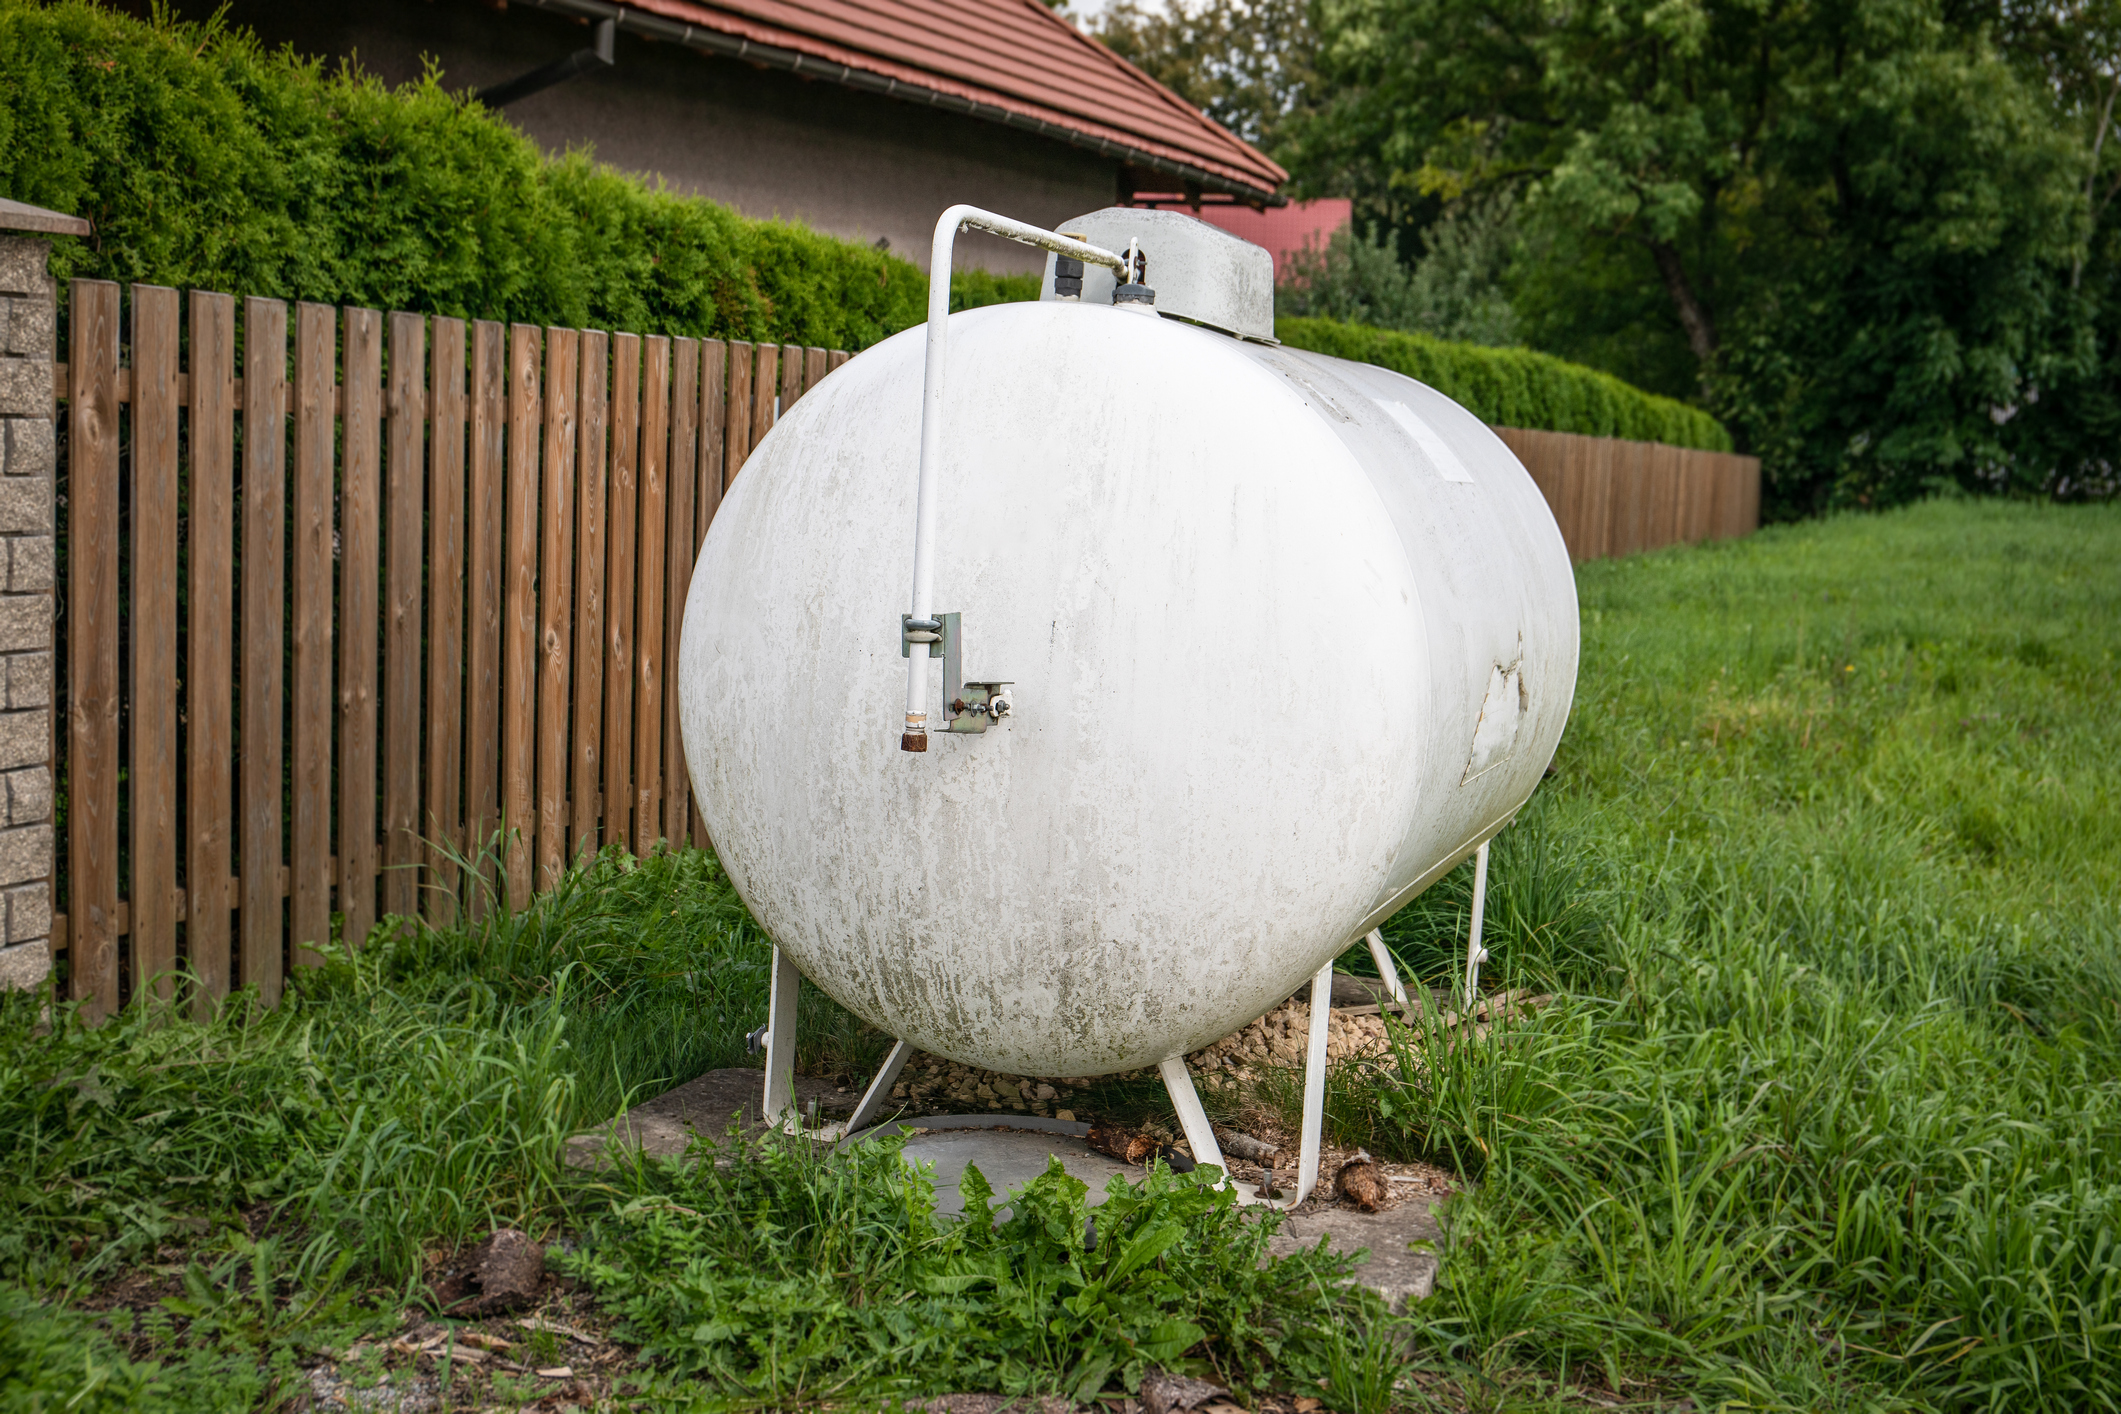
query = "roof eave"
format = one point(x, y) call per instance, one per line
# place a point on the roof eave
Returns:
point(794, 61)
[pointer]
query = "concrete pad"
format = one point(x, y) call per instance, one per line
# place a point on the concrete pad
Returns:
point(1007, 1160)
point(665, 1126)
point(1391, 1270)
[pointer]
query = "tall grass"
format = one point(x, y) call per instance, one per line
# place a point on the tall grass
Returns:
point(1830, 1111)
point(1827, 1112)
point(414, 1092)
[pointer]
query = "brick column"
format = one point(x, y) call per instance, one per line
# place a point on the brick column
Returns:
point(28, 341)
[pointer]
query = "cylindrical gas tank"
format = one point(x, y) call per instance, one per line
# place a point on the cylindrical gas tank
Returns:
point(1288, 636)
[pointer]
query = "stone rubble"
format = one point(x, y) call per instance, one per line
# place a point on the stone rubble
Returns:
point(1278, 1038)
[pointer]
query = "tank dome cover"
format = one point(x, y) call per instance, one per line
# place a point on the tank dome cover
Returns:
point(1200, 272)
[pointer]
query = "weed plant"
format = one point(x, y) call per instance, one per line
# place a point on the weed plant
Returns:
point(783, 1278)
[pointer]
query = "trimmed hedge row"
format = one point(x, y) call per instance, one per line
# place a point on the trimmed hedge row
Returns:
point(206, 161)
point(1516, 387)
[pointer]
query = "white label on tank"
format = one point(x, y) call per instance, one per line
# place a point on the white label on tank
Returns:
point(1440, 456)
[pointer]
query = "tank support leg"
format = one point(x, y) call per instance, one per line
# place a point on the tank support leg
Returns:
point(1200, 1135)
point(1388, 972)
point(879, 1091)
point(1475, 953)
point(779, 1105)
point(1315, 1083)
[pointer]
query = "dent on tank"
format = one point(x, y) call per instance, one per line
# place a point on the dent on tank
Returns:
point(1064, 683)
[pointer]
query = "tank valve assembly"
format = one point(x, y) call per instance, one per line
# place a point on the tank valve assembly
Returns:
point(968, 706)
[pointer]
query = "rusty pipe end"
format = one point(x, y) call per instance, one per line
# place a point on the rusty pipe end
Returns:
point(913, 741)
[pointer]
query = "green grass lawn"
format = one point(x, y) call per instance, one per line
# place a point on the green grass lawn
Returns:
point(1827, 1113)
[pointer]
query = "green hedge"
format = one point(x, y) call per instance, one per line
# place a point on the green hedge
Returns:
point(1516, 387)
point(207, 161)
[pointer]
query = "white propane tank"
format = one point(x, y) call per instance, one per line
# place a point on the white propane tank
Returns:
point(1287, 637)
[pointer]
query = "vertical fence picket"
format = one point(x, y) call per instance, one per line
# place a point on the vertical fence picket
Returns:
point(714, 424)
point(485, 591)
point(360, 611)
point(815, 367)
point(622, 530)
point(555, 595)
point(519, 624)
point(736, 425)
point(264, 553)
point(765, 393)
point(92, 647)
point(443, 817)
point(405, 514)
point(707, 497)
point(209, 680)
point(836, 358)
point(648, 551)
point(681, 480)
point(309, 747)
point(591, 467)
point(151, 774)
point(791, 379)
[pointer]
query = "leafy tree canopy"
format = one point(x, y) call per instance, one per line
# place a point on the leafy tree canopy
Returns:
point(1876, 236)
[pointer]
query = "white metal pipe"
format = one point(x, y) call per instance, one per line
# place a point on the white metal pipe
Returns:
point(915, 737)
point(1475, 953)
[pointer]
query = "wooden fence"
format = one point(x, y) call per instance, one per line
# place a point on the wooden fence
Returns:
point(363, 604)
point(1620, 498)
point(329, 615)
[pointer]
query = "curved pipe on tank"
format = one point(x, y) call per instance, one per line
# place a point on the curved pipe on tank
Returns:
point(922, 622)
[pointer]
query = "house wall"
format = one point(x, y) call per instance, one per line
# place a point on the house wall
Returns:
point(765, 142)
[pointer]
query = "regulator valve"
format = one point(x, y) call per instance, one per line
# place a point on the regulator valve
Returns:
point(967, 706)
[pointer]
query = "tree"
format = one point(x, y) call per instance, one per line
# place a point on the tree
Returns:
point(1245, 63)
point(1851, 214)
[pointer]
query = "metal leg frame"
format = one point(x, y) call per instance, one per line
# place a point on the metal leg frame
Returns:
point(1200, 1135)
point(879, 1092)
point(1314, 1084)
point(778, 1107)
point(1475, 953)
point(1388, 972)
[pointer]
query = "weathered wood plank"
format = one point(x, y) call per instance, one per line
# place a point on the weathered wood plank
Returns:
point(707, 499)
point(714, 432)
point(264, 554)
point(519, 626)
point(592, 462)
point(360, 617)
point(486, 593)
point(792, 356)
point(405, 515)
point(309, 689)
point(765, 393)
point(555, 599)
point(816, 364)
point(649, 551)
point(209, 692)
point(622, 533)
point(836, 358)
point(736, 443)
point(681, 481)
point(92, 647)
point(443, 819)
point(152, 771)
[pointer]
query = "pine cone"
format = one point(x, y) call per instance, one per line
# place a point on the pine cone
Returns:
point(1361, 1183)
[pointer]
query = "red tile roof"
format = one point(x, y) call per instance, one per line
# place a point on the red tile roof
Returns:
point(1010, 60)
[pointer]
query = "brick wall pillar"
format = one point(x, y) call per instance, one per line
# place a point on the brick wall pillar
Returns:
point(28, 342)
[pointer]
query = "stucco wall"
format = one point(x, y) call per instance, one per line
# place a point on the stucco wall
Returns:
point(765, 142)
